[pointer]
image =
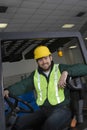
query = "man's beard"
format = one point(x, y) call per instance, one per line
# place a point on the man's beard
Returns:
point(47, 69)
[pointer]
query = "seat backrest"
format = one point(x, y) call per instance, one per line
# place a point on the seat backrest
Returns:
point(76, 93)
point(30, 98)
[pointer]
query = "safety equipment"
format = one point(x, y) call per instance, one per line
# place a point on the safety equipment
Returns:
point(41, 51)
point(54, 94)
point(60, 53)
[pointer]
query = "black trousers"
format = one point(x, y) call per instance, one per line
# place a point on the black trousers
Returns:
point(46, 118)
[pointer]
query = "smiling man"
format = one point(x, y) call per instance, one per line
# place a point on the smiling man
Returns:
point(52, 93)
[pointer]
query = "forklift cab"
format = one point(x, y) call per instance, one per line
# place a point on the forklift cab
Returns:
point(18, 43)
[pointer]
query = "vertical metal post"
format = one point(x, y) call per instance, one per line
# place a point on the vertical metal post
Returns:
point(2, 110)
point(83, 47)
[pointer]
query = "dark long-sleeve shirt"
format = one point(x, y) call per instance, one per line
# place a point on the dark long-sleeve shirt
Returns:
point(27, 84)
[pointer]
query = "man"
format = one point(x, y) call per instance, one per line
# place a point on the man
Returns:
point(49, 82)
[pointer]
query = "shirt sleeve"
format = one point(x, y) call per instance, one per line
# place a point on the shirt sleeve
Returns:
point(22, 86)
point(75, 70)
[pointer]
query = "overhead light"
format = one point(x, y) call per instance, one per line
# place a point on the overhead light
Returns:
point(85, 38)
point(52, 40)
point(72, 47)
point(68, 25)
point(7, 42)
point(3, 25)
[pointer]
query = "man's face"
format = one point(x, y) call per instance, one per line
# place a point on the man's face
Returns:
point(45, 62)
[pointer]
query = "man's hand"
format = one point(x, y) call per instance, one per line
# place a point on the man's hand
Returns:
point(6, 93)
point(62, 80)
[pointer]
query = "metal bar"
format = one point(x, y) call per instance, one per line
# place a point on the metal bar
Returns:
point(2, 109)
point(30, 35)
point(83, 47)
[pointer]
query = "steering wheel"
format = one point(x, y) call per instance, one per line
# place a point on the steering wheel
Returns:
point(15, 108)
point(14, 105)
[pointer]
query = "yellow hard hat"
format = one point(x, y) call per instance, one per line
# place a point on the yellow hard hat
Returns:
point(41, 51)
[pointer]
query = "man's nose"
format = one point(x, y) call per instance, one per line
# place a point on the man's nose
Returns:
point(44, 60)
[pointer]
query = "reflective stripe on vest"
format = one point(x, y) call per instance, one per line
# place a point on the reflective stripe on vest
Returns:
point(49, 90)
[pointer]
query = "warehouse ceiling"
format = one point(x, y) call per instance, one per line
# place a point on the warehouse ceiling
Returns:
point(39, 16)
point(43, 15)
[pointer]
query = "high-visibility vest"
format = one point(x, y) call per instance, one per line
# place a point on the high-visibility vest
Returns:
point(49, 90)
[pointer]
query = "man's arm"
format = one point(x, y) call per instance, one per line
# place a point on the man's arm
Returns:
point(63, 78)
point(20, 87)
point(75, 70)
